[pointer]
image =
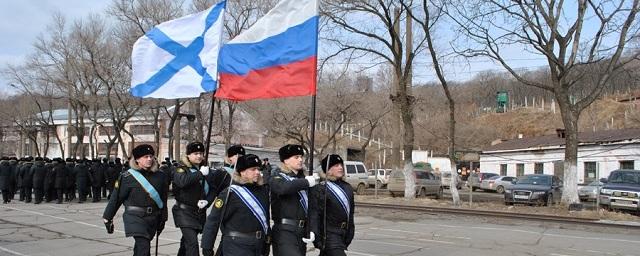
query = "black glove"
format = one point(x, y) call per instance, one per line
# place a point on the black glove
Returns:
point(109, 226)
point(160, 227)
point(207, 252)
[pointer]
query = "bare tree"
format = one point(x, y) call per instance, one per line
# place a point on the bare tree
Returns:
point(373, 28)
point(558, 31)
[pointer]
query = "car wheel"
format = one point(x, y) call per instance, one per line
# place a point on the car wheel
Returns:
point(360, 189)
point(549, 200)
point(422, 193)
point(392, 194)
point(440, 193)
point(508, 203)
point(379, 184)
point(500, 189)
point(473, 188)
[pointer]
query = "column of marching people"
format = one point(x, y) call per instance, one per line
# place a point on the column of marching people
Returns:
point(257, 208)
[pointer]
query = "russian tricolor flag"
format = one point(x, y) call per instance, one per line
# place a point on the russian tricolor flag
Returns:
point(276, 57)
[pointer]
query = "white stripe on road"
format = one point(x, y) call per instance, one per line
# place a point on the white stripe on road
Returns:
point(74, 221)
point(394, 244)
point(412, 232)
point(12, 252)
point(360, 253)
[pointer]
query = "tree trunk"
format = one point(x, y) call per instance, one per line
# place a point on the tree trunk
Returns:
point(199, 121)
point(172, 122)
point(570, 119)
point(452, 150)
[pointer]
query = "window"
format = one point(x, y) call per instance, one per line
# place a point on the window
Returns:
point(360, 169)
point(627, 165)
point(107, 130)
point(589, 172)
point(519, 170)
point(381, 172)
point(507, 179)
point(143, 129)
point(538, 168)
point(351, 169)
point(503, 170)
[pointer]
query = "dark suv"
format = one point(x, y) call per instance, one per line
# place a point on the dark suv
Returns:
point(621, 190)
point(540, 189)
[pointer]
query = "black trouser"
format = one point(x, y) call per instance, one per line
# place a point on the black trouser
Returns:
point(104, 191)
point(188, 242)
point(96, 194)
point(82, 194)
point(27, 194)
point(38, 195)
point(71, 193)
point(6, 196)
point(288, 243)
point(49, 194)
point(110, 191)
point(60, 192)
point(242, 246)
point(21, 190)
point(332, 252)
point(142, 247)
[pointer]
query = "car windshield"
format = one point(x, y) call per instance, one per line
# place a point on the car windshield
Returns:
point(631, 177)
point(595, 183)
point(534, 180)
point(446, 174)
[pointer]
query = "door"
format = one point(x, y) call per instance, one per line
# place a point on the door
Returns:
point(352, 177)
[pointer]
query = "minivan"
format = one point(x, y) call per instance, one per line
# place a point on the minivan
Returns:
point(427, 183)
point(356, 175)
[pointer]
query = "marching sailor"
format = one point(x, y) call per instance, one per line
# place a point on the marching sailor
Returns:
point(191, 189)
point(331, 208)
point(241, 212)
point(143, 191)
point(289, 202)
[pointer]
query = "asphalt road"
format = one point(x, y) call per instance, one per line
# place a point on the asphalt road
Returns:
point(76, 229)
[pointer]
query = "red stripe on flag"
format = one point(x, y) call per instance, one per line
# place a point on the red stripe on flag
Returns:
point(293, 79)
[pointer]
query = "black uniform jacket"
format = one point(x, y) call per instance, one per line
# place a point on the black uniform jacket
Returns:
point(220, 179)
point(285, 201)
point(188, 188)
point(339, 227)
point(237, 215)
point(39, 172)
point(27, 175)
point(129, 192)
point(60, 177)
point(6, 175)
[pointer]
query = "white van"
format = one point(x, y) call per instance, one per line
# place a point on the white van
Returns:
point(357, 176)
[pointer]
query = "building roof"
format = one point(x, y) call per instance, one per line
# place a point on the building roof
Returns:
point(599, 137)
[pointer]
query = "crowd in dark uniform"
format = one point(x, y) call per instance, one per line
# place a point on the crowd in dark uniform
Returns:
point(256, 207)
point(37, 180)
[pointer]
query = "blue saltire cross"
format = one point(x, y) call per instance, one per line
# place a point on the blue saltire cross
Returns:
point(184, 56)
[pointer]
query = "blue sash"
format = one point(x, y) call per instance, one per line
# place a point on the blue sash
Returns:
point(304, 201)
point(254, 205)
point(204, 181)
point(339, 193)
point(153, 193)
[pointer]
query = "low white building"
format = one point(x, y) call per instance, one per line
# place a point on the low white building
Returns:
point(599, 153)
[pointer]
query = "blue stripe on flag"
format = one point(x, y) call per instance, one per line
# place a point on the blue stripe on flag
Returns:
point(295, 44)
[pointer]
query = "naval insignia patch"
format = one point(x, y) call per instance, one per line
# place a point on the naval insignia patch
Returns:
point(218, 203)
point(180, 170)
point(117, 184)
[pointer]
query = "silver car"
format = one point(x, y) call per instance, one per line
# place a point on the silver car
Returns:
point(590, 192)
point(497, 183)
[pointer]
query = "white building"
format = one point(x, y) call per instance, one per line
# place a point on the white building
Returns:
point(599, 153)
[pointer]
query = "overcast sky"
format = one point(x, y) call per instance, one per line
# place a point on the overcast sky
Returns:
point(21, 21)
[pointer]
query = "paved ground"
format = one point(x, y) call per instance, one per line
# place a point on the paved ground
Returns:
point(76, 229)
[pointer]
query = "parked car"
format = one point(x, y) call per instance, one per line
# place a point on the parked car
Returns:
point(427, 183)
point(445, 178)
point(357, 176)
point(497, 183)
point(476, 178)
point(621, 190)
point(379, 177)
point(590, 191)
point(534, 189)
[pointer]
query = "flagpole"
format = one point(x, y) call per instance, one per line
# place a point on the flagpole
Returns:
point(313, 98)
point(208, 140)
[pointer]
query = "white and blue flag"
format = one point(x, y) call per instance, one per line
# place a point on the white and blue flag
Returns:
point(179, 58)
